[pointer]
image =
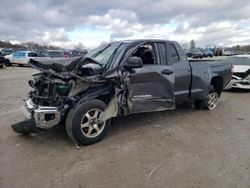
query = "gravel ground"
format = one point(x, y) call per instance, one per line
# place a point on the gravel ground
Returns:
point(180, 148)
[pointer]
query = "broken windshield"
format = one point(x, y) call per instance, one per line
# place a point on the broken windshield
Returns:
point(106, 54)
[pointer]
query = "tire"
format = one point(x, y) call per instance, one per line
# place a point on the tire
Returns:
point(81, 125)
point(8, 63)
point(199, 104)
point(1, 66)
point(210, 103)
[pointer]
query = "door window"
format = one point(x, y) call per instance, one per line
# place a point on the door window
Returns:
point(22, 54)
point(146, 53)
point(174, 54)
point(161, 47)
point(15, 54)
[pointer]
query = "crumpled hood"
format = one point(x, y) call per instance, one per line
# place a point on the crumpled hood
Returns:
point(61, 67)
point(241, 68)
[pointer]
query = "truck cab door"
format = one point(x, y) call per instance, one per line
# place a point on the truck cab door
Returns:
point(152, 86)
point(182, 71)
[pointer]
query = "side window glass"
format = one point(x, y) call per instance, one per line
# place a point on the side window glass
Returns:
point(22, 54)
point(146, 53)
point(174, 53)
point(162, 53)
point(15, 54)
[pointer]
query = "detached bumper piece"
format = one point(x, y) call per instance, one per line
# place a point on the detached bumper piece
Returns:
point(27, 126)
point(37, 117)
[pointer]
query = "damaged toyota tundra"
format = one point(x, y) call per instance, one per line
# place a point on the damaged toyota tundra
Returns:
point(118, 78)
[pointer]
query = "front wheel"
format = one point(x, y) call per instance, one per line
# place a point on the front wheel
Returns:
point(82, 123)
point(8, 63)
point(210, 102)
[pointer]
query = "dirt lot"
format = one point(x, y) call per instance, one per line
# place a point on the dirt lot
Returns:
point(181, 148)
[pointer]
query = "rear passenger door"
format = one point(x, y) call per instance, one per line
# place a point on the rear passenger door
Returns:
point(182, 71)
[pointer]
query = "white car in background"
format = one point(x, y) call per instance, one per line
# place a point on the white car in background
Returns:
point(227, 53)
point(241, 72)
point(20, 57)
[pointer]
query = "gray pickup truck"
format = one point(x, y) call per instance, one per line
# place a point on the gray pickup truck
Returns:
point(118, 78)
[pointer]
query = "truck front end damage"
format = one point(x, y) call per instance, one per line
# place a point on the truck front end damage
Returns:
point(38, 117)
point(55, 92)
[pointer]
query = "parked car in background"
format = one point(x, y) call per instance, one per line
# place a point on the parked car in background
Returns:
point(188, 53)
point(227, 53)
point(42, 53)
point(2, 61)
point(218, 52)
point(207, 53)
point(5, 51)
point(66, 54)
point(241, 72)
point(20, 58)
point(76, 53)
point(56, 53)
point(197, 53)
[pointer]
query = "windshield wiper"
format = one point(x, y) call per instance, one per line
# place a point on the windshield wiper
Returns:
point(112, 56)
point(100, 51)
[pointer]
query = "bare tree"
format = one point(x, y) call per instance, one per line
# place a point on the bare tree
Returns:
point(79, 46)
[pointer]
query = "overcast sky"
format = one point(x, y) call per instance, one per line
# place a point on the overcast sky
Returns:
point(67, 22)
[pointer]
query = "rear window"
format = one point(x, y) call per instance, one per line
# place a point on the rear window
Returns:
point(174, 53)
point(32, 54)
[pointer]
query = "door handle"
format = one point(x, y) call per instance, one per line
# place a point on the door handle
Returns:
point(167, 71)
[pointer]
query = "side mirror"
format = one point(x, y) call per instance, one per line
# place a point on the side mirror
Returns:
point(133, 63)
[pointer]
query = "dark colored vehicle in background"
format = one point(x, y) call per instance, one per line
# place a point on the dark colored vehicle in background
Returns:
point(56, 53)
point(3, 53)
point(76, 53)
point(207, 53)
point(218, 52)
point(188, 53)
point(2, 61)
point(119, 78)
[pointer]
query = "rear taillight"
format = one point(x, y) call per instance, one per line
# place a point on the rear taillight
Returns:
point(232, 70)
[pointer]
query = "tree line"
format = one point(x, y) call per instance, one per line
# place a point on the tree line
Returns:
point(27, 45)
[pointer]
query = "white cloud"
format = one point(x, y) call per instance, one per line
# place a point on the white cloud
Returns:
point(67, 22)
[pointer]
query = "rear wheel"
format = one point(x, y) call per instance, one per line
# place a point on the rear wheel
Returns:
point(210, 102)
point(82, 123)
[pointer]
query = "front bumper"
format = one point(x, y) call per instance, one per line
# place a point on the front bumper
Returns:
point(44, 116)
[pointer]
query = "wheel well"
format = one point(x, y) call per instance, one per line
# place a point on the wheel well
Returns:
point(104, 98)
point(217, 82)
